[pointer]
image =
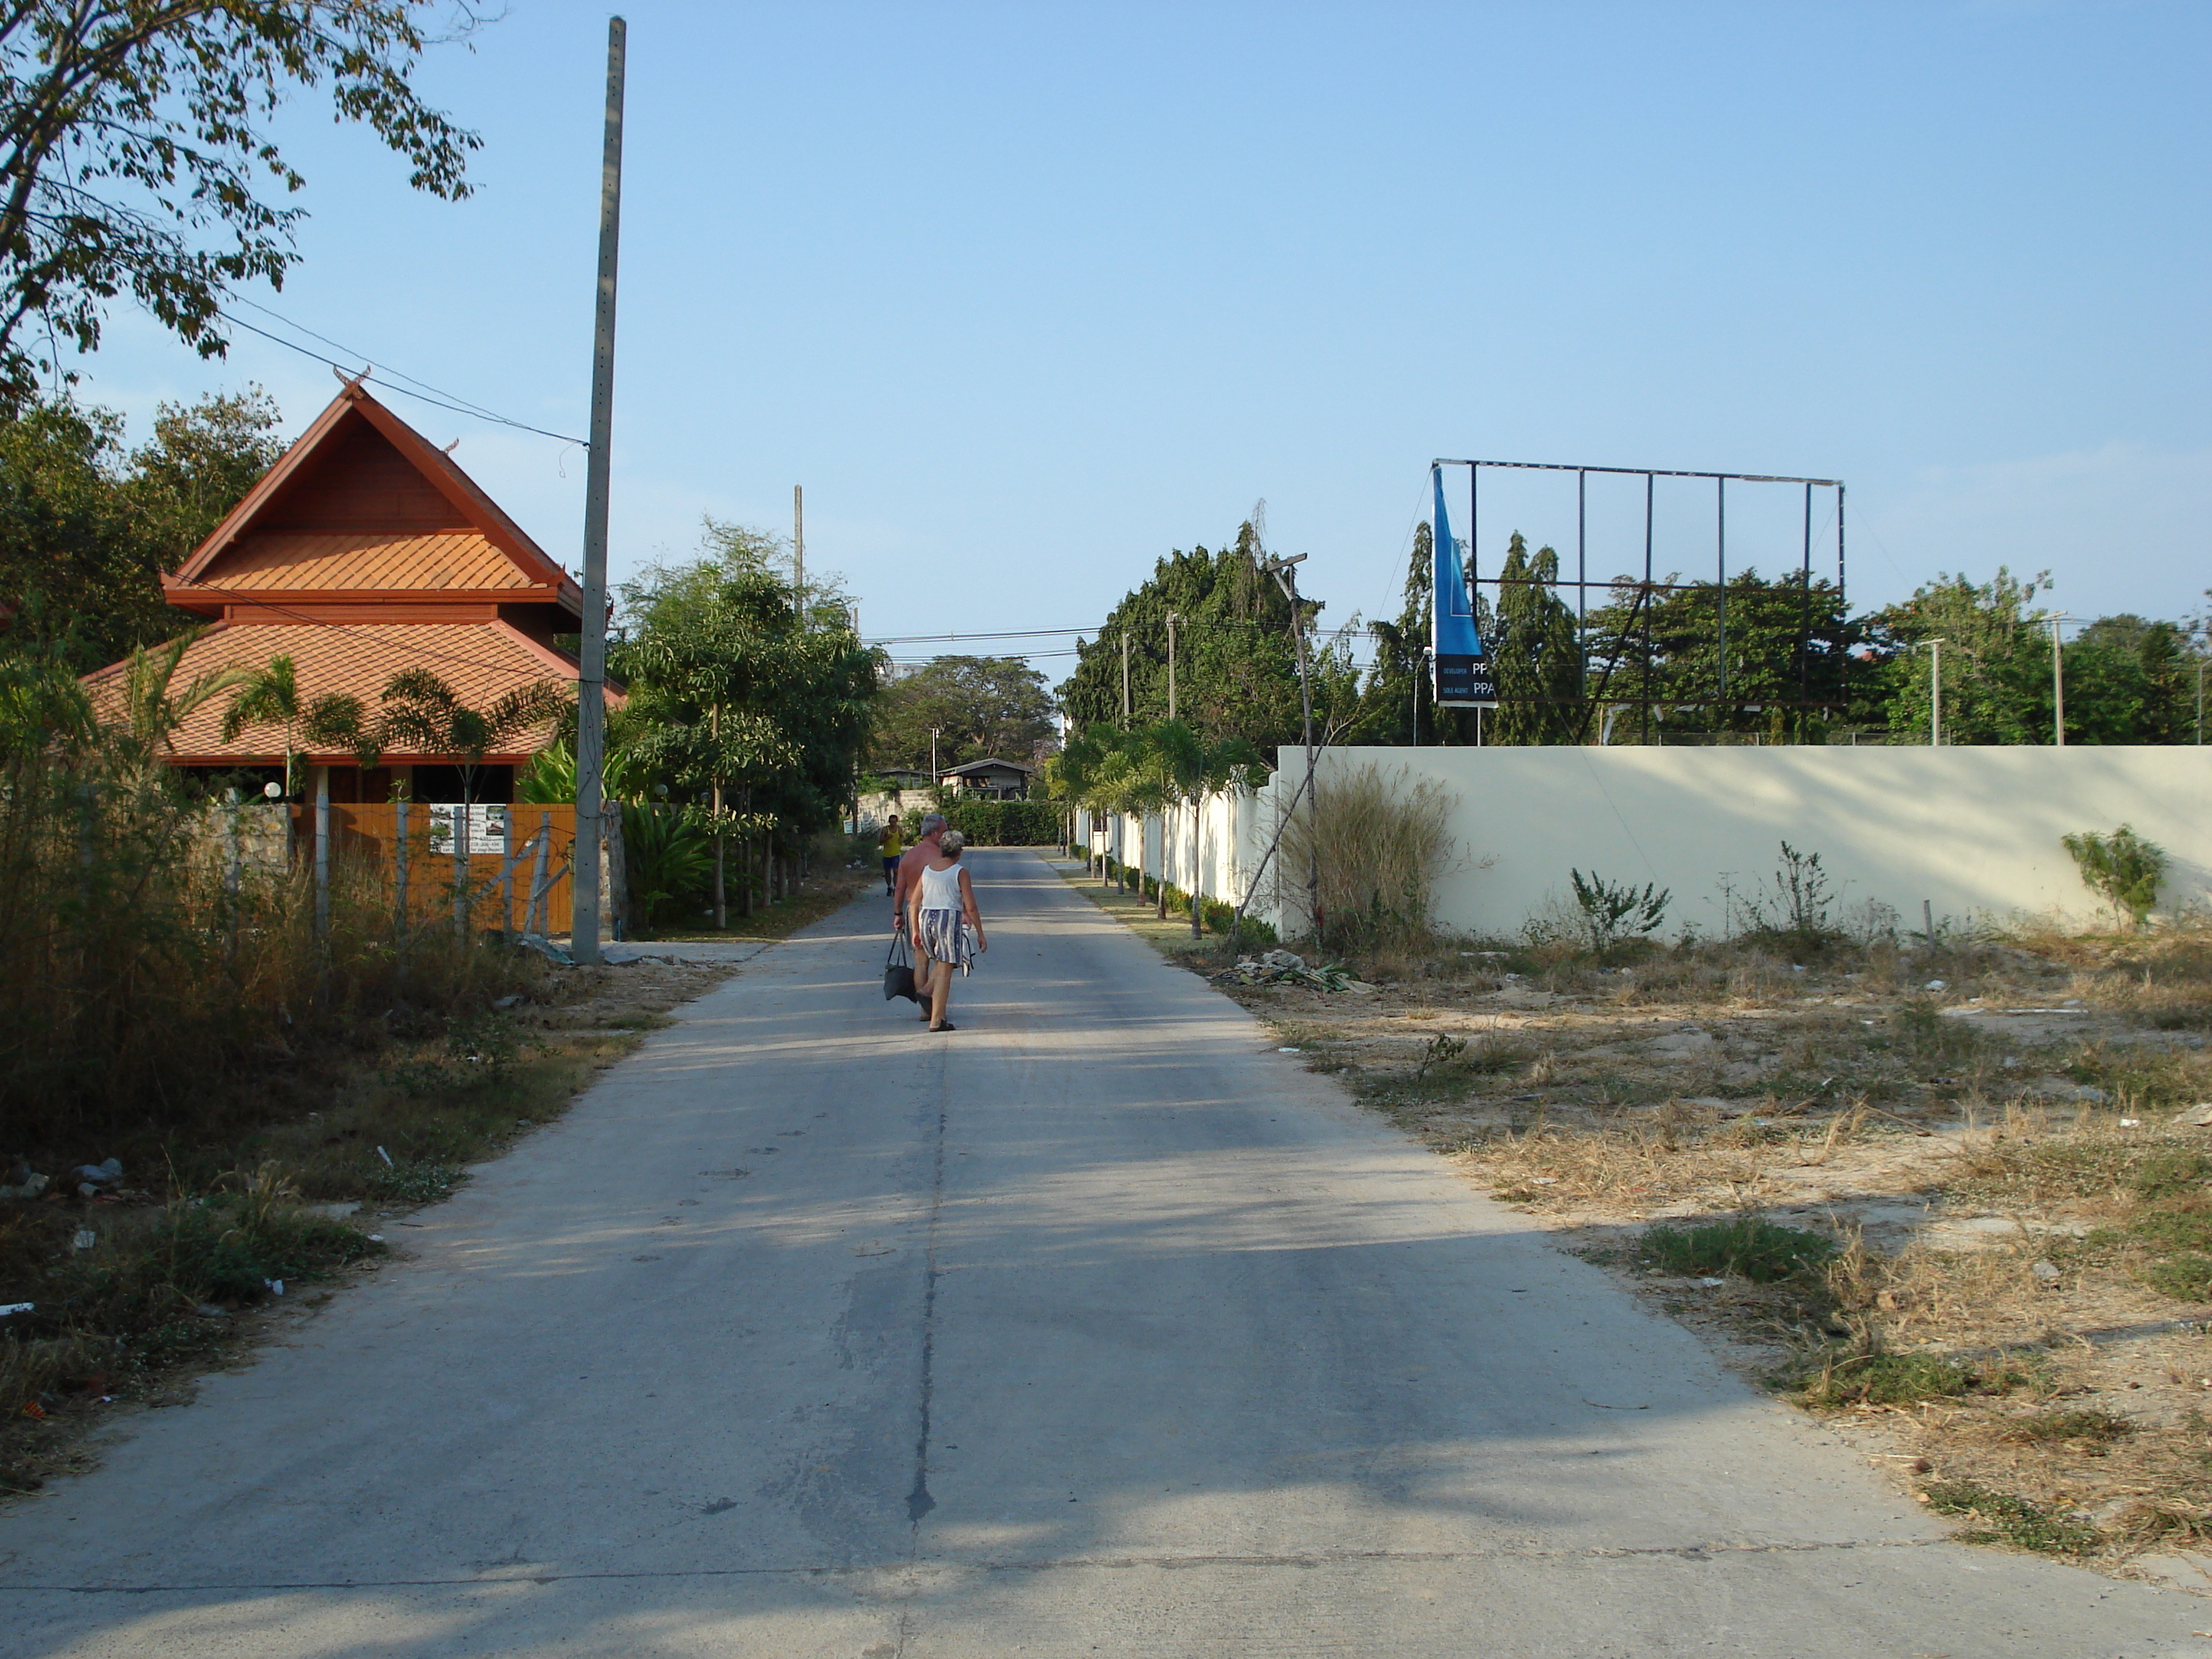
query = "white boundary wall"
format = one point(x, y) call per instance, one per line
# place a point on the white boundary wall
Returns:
point(1975, 831)
point(1230, 835)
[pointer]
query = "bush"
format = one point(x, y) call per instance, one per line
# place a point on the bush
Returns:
point(1749, 1247)
point(1008, 822)
point(1796, 905)
point(2121, 868)
point(1613, 912)
point(146, 988)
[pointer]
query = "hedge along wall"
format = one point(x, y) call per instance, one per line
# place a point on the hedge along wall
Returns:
point(1008, 822)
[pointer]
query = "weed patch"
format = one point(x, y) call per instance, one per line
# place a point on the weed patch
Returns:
point(1997, 1517)
point(2089, 1427)
point(1862, 1377)
point(1749, 1248)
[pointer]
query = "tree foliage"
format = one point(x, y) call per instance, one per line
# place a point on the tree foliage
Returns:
point(746, 705)
point(1762, 655)
point(88, 527)
point(1236, 655)
point(2121, 868)
point(2127, 680)
point(980, 707)
point(1537, 652)
point(134, 147)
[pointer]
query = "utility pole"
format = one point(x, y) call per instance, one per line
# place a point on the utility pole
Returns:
point(2057, 684)
point(934, 779)
point(1935, 692)
point(1172, 620)
point(591, 672)
point(1284, 571)
point(1125, 676)
point(799, 547)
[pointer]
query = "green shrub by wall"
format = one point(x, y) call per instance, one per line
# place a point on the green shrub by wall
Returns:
point(1008, 822)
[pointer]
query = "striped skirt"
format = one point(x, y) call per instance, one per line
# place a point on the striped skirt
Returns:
point(944, 938)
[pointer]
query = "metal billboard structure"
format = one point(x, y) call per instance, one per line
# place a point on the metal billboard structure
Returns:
point(1641, 591)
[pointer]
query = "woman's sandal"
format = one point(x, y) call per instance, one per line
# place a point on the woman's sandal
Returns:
point(947, 1026)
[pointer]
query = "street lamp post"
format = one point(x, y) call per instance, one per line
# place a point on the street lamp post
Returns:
point(1935, 691)
point(2057, 684)
point(1172, 620)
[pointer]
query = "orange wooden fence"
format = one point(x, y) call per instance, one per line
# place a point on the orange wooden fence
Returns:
point(518, 865)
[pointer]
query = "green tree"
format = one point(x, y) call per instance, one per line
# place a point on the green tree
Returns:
point(199, 464)
point(743, 703)
point(1786, 673)
point(1194, 770)
point(87, 528)
point(1397, 704)
point(1537, 648)
point(1236, 653)
point(981, 708)
point(271, 696)
point(135, 149)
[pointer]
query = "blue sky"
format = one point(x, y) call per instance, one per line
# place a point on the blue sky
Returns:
point(1027, 296)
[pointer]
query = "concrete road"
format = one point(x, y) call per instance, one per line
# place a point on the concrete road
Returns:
point(1094, 1327)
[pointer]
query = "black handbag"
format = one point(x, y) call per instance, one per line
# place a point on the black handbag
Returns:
point(898, 971)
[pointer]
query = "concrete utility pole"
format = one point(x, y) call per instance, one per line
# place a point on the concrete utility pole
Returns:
point(1285, 573)
point(592, 674)
point(1172, 620)
point(933, 778)
point(799, 547)
point(2057, 684)
point(1125, 676)
point(1935, 692)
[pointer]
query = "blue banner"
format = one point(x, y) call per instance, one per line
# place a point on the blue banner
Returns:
point(1463, 676)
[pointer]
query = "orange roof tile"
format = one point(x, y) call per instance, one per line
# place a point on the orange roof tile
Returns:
point(481, 661)
point(308, 561)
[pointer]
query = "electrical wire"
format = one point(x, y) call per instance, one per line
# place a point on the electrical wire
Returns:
point(472, 411)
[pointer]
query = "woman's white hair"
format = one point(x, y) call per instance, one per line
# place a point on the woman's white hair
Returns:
point(951, 842)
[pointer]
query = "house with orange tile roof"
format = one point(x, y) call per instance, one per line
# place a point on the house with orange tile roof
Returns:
point(364, 551)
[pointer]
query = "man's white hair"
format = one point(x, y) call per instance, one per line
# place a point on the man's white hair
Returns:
point(932, 821)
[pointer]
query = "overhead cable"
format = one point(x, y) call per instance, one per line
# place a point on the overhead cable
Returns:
point(389, 386)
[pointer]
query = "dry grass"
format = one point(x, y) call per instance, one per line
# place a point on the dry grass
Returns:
point(1377, 841)
point(2022, 1237)
point(176, 1278)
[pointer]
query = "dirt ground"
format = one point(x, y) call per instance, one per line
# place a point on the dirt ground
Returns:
point(1991, 1150)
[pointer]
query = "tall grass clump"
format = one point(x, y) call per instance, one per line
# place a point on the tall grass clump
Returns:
point(1378, 841)
point(145, 974)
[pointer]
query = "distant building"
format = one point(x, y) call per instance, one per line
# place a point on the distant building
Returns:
point(364, 551)
point(993, 780)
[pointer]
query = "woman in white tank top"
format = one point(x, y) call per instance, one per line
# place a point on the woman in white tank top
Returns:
point(945, 926)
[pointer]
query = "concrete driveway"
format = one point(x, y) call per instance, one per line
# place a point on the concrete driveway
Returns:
point(1093, 1327)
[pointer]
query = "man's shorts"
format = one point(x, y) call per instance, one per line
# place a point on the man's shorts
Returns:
point(890, 868)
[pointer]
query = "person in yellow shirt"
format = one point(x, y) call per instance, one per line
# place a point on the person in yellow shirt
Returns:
point(893, 845)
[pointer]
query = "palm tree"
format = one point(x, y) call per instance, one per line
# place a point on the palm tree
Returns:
point(269, 696)
point(1194, 770)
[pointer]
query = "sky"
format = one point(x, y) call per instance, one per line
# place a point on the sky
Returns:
point(1027, 296)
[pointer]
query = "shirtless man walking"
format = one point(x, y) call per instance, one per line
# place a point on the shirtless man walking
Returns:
point(917, 858)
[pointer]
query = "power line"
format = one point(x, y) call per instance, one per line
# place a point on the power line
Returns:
point(936, 639)
point(441, 401)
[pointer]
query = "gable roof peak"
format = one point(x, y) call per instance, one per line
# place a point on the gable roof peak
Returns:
point(353, 442)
